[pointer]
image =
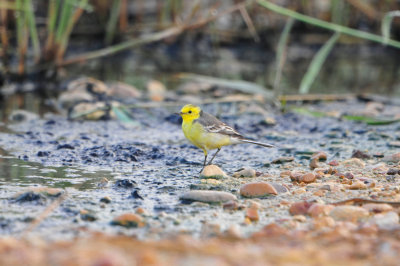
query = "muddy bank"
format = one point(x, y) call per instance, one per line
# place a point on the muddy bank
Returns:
point(107, 169)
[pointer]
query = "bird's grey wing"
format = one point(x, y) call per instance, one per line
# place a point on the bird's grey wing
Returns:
point(213, 125)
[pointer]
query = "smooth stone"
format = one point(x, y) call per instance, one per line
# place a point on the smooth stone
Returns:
point(22, 116)
point(37, 193)
point(393, 158)
point(360, 154)
point(388, 221)
point(320, 155)
point(123, 90)
point(279, 188)
point(358, 185)
point(305, 178)
point(212, 171)
point(245, 172)
point(282, 160)
point(128, 220)
point(348, 213)
point(298, 208)
point(257, 189)
point(353, 162)
point(208, 196)
point(377, 207)
point(317, 210)
point(156, 90)
point(252, 214)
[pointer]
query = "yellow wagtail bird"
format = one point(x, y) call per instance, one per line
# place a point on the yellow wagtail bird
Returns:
point(208, 133)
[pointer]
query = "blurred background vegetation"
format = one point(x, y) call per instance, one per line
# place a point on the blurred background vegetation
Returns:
point(289, 46)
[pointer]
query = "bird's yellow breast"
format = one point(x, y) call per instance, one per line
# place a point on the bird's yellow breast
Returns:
point(202, 139)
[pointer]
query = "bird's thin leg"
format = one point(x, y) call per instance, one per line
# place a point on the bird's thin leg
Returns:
point(209, 163)
point(204, 163)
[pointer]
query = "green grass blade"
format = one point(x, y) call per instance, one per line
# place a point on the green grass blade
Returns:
point(316, 64)
point(306, 111)
point(371, 120)
point(32, 29)
point(280, 54)
point(123, 115)
point(387, 22)
point(66, 13)
point(327, 25)
point(112, 21)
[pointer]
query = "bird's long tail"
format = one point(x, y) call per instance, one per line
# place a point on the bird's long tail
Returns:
point(257, 143)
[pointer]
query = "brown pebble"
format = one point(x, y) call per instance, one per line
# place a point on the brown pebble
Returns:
point(212, 171)
point(128, 220)
point(252, 214)
point(285, 173)
point(321, 156)
point(299, 207)
point(333, 163)
point(257, 189)
point(348, 213)
point(318, 209)
point(358, 185)
point(231, 205)
point(360, 154)
point(305, 178)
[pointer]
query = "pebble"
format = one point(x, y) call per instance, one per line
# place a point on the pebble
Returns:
point(22, 116)
point(348, 213)
point(386, 221)
point(128, 220)
point(394, 144)
point(212, 171)
point(284, 159)
point(393, 171)
point(280, 188)
point(298, 208)
point(142, 212)
point(285, 173)
point(38, 194)
point(305, 178)
point(360, 154)
point(125, 183)
point(234, 232)
point(323, 222)
point(318, 209)
point(210, 230)
point(393, 158)
point(207, 196)
point(232, 205)
point(245, 172)
point(300, 218)
point(333, 163)
point(358, 185)
point(123, 90)
point(321, 156)
point(88, 216)
point(257, 189)
point(156, 90)
point(316, 158)
point(252, 214)
point(377, 207)
point(105, 199)
point(353, 163)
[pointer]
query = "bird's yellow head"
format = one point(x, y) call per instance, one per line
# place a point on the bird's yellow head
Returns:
point(190, 112)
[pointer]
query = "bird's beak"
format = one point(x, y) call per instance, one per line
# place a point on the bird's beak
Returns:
point(179, 113)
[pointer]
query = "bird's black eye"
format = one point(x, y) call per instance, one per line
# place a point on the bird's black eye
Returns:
point(190, 112)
